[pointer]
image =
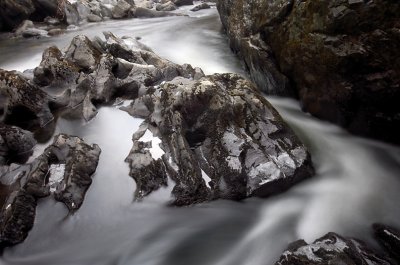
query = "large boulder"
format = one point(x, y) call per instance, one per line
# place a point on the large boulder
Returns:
point(64, 169)
point(341, 58)
point(331, 249)
point(221, 139)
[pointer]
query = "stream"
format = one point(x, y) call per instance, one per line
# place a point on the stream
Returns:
point(356, 182)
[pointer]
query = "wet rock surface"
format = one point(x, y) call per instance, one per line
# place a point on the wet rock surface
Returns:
point(210, 136)
point(389, 238)
point(16, 145)
point(221, 139)
point(24, 103)
point(339, 57)
point(64, 169)
point(332, 249)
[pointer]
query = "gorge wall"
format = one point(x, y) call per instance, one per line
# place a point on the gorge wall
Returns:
point(340, 57)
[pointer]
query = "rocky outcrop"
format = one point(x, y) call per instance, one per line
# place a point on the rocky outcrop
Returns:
point(331, 249)
point(220, 139)
point(24, 103)
point(64, 170)
point(341, 58)
point(210, 136)
point(233, 136)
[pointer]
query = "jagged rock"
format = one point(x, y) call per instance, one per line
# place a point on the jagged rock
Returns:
point(64, 169)
point(71, 14)
point(16, 145)
point(121, 10)
point(55, 70)
point(25, 102)
point(389, 238)
point(341, 58)
point(218, 129)
point(82, 53)
point(331, 249)
point(94, 18)
point(169, 6)
point(200, 7)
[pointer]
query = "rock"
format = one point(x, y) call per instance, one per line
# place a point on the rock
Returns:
point(121, 10)
point(94, 18)
point(82, 53)
point(16, 145)
point(64, 169)
point(331, 249)
point(389, 238)
point(55, 32)
point(26, 104)
point(330, 54)
point(83, 10)
point(12, 12)
point(30, 33)
point(81, 162)
point(55, 70)
point(169, 6)
point(221, 139)
point(71, 14)
point(183, 2)
point(200, 7)
point(140, 12)
point(28, 30)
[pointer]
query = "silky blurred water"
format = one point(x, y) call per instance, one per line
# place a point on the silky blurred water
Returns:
point(356, 182)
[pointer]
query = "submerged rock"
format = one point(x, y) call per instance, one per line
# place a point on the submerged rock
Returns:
point(221, 139)
point(389, 238)
point(200, 7)
point(168, 6)
point(64, 169)
point(331, 249)
point(341, 58)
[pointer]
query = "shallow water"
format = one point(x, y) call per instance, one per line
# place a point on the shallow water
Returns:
point(356, 183)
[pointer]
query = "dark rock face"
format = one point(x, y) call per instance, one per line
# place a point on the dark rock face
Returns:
point(341, 58)
point(16, 145)
point(64, 169)
point(331, 249)
point(221, 139)
point(183, 2)
point(389, 238)
point(23, 101)
point(12, 13)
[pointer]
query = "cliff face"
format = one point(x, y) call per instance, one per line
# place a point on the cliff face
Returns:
point(340, 57)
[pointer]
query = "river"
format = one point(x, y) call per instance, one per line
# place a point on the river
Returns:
point(357, 181)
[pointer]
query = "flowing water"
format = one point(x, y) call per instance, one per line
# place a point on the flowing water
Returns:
point(357, 181)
